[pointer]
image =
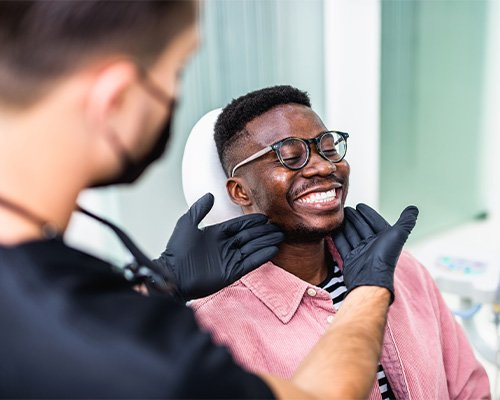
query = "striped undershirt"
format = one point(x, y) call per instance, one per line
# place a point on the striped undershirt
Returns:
point(334, 284)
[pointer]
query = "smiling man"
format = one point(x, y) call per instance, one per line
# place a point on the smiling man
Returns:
point(282, 161)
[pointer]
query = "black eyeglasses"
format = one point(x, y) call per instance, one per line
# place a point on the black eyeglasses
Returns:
point(294, 153)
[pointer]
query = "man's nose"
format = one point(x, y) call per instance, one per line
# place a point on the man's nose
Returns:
point(318, 165)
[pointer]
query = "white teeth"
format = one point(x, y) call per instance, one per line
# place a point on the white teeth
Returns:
point(319, 197)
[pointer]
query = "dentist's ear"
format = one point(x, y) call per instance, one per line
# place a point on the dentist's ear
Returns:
point(110, 94)
point(113, 113)
point(238, 192)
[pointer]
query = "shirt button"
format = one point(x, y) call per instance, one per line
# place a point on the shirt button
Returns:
point(329, 319)
point(311, 292)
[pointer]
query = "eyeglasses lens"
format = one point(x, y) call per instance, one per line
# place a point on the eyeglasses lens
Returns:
point(294, 153)
point(333, 146)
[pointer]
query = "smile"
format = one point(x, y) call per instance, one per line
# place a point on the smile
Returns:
point(318, 197)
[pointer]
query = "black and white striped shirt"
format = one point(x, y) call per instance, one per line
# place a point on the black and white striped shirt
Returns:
point(334, 284)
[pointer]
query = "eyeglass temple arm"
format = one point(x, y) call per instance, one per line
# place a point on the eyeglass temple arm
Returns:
point(344, 136)
point(251, 158)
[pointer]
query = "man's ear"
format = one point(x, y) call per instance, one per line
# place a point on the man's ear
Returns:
point(107, 94)
point(238, 192)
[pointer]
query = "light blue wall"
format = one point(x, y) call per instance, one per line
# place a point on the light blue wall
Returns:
point(432, 91)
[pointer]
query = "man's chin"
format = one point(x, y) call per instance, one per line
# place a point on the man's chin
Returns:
point(306, 235)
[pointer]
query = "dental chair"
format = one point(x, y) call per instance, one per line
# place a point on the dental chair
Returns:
point(202, 171)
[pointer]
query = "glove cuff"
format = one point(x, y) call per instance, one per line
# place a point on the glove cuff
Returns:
point(389, 287)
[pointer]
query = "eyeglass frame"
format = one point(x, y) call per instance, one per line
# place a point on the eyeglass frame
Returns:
point(277, 145)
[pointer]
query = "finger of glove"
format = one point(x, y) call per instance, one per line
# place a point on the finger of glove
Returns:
point(203, 287)
point(351, 234)
point(373, 218)
point(362, 227)
point(256, 259)
point(341, 243)
point(238, 224)
point(408, 219)
point(269, 240)
point(255, 233)
point(199, 209)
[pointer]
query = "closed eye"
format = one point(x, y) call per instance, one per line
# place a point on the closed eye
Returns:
point(329, 151)
point(292, 158)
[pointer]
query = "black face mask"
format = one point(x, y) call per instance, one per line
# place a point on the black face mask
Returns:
point(133, 169)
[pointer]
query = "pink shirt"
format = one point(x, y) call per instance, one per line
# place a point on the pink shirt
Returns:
point(270, 320)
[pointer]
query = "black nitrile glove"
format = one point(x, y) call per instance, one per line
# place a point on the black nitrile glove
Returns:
point(206, 260)
point(370, 247)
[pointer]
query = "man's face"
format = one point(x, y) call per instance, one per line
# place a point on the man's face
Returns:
point(137, 125)
point(300, 202)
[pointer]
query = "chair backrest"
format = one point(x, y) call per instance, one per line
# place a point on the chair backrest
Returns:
point(202, 171)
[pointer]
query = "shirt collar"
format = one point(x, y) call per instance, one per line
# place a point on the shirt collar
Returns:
point(282, 291)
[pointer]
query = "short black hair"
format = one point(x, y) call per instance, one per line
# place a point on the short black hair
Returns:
point(41, 41)
point(239, 112)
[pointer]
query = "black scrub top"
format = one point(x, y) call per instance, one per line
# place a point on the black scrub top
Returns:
point(70, 327)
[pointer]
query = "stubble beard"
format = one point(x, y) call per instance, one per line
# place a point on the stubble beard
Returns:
point(305, 234)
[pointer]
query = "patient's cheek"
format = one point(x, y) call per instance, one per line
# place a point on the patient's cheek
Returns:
point(280, 178)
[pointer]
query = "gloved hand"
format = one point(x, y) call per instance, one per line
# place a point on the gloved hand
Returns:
point(206, 260)
point(370, 247)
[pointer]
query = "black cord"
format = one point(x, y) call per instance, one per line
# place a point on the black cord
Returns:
point(49, 231)
point(160, 279)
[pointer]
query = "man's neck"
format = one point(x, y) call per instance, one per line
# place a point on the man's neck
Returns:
point(307, 260)
point(36, 178)
point(17, 226)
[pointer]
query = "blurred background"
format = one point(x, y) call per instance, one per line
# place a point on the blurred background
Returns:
point(416, 85)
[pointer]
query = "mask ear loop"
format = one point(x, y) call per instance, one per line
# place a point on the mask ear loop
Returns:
point(153, 88)
point(143, 270)
point(158, 94)
point(126, 160)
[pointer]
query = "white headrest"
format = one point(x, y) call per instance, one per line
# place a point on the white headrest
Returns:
point(202, 171)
